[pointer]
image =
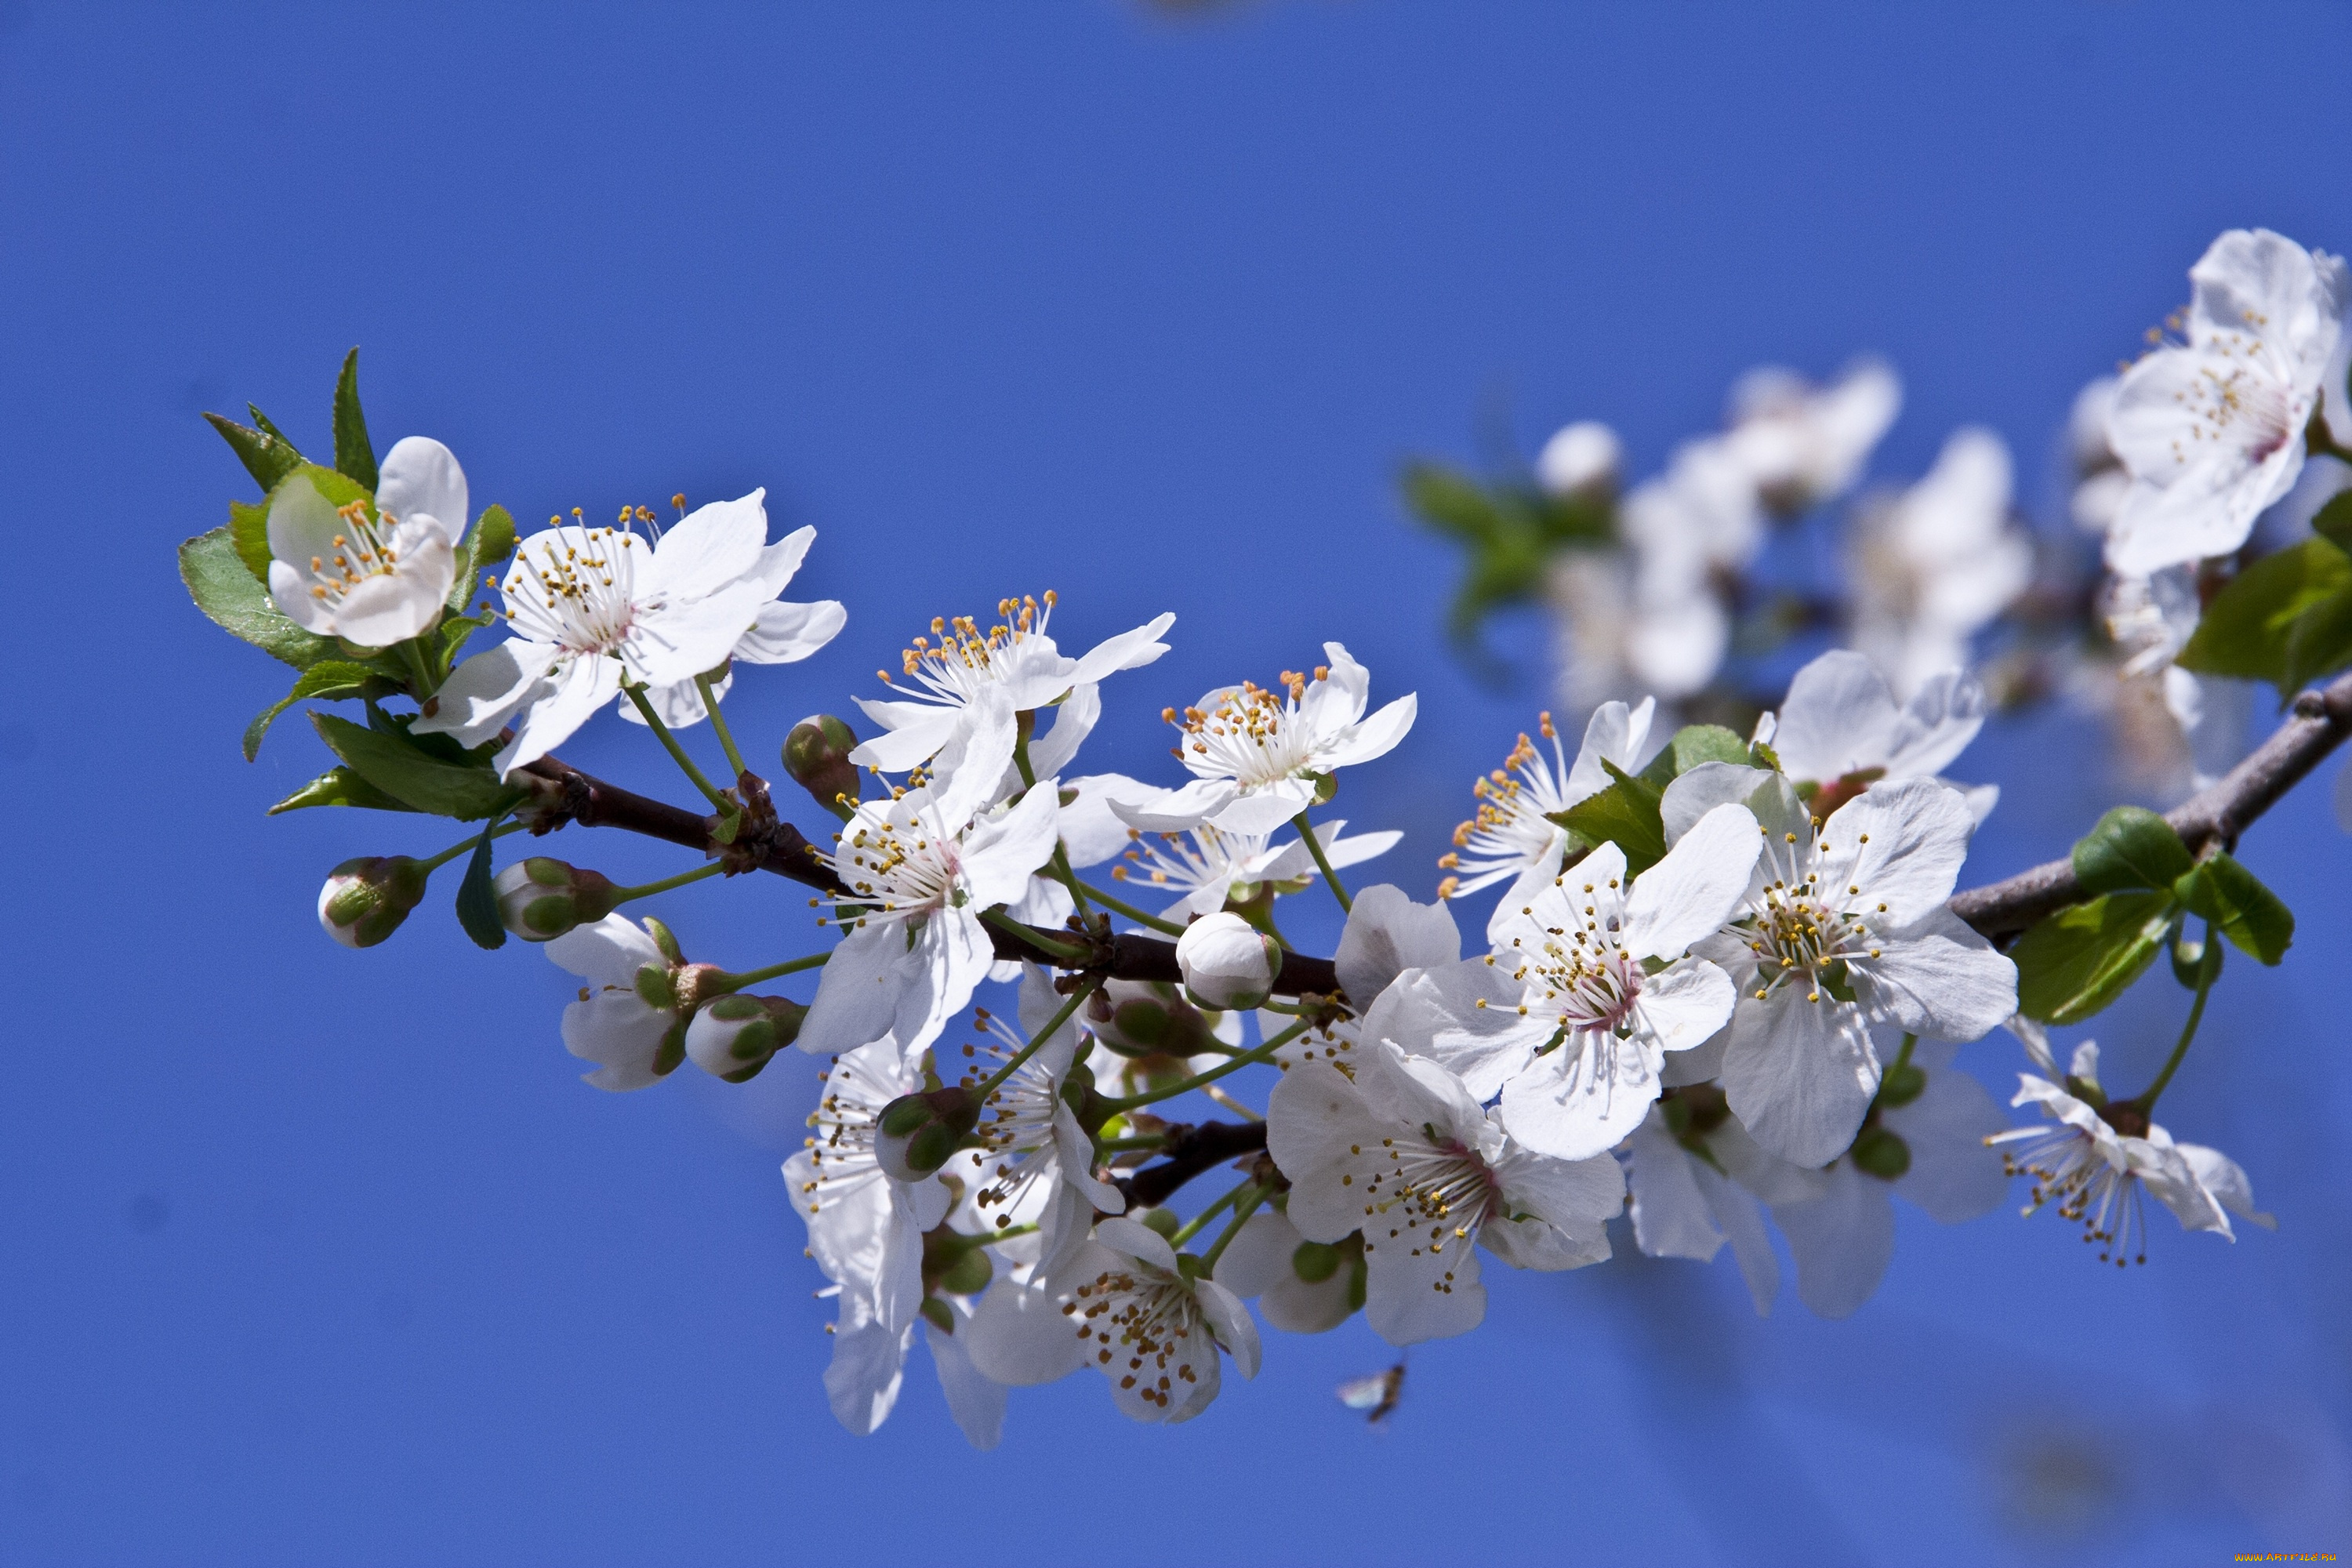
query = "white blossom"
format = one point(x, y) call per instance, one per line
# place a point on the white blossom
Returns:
point(1938, 562)
point(2211, 429)
point(779, 632)
point(633, 1041)
point(1513, 834)
point(1227, 962)
point(1400, 1151)
point(1803, 444)
point(376, 575)
point(1840, 729)
point(1580, 459)
point(1301, 1287)
point(1207, 868)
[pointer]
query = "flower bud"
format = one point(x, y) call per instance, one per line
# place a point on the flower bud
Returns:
point(1580, 459)
point(1228, 962)
point(1141, 1018)
point(816, 755)
point(917, 1133)
point(540, 898)
point(734, 1037)
point(365, 900)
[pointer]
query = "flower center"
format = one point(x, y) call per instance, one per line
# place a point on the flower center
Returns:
point(1510, 829)
point(362, 552)
point(841, 1148)
point(1433, 1194)
point(899, 871)
point(1799, 930)
point(575, 588)
point(2242, 403)
point(1146, 1316)
point(2091, 1182)
point(966, 658)
point(1253, 735)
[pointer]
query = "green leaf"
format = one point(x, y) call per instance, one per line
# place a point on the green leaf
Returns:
point(333, 679)
point(1694, 744)
point(1626, 813)
point(1448, 501)
point(224, 590)
point(2333, 522)
point(491, 540)
point(268, 429)
point(249, 529)
point(267, 456)
point(2255, 919)
point(2077, 960)
point(354, 455)
point(2246, 630)
point(2319, 643)
point(396, 765)
point(2131, 847)
point(478, 899)
point(339, 786)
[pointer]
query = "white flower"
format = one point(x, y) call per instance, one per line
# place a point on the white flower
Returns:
point(1257, 754)
point(1841, 928)
point(1227, 962)
point(1938, 562)
point(1207, 868)
point(1301, 1287)
point(1402, 1152)
point(1681, 1197)
point(2100, 482)
point(1513, 833)
point(865, 1230)
point(1566, 1017)
point(1035, 1161)
point(613, 1024)
point(371, 578)
point(2094, 1156)
point(1014, 657)
point(2211, 429)
point(1124, 1305)
point(1581, 458)
point(588, 608)
point(921, 869)
point(1387, 936)
point(1803, 444)
point(779, 632)
point(1840, 729)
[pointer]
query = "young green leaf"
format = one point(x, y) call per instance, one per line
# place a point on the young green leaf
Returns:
point(2333, 522)
point(353, 455)
point(266, 455)
point(1694, 744)
point(2075, 962)
point(2131, 847)
point(2318, 643)
point(1627, 815)
point(224, 590)
point(2255, 919)
point(478, 899)
point(249, 528)
point(339, 786)
point(332, 678)
point(491, 540)
point(2246, 628)
point(398, 766)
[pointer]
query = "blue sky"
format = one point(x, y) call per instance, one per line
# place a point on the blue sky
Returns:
point(308, 1256)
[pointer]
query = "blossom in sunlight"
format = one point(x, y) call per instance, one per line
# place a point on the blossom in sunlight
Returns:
point(1399, 1151)
point(1207, 868)
point(371, 576)
point(588, 609)
point(1016, 658)
point(1258, 755)
point(1938, 562)
point(1513, 833)
point(921, 865)
point(1124, 1305)
point(2093, 1157)
point(1388, 937)
point(779, 632)
point(1841, 731)
point(2210, 428)
point(629, 1019)
point(865, 1230)
point(1589, 983)
point(1801, 445)
point(1843, 926)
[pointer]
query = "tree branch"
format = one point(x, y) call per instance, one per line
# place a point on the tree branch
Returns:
point(2321, 722)
point(1191, 1149)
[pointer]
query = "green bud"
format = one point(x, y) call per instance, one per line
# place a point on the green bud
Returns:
point(664, 939)
point(540, 898)
point(1901, 1085)
point(656, 986)
point(969, 1275)
point(917, 1133)
point(1164, 1220)
point(734, 1037)
point(1315, 1261)
point(816, 755)
point(1882, 1152)
point(364, 900)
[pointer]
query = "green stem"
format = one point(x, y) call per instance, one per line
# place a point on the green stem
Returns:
point(1007, 1234)
point(423, 672)
point(995, 1081)
point(466, 846)
point(678, 754)
point(648, 889)
point(1065, 952)
point(2207, 971)
point(1263, 1053)
point(1322, 861)
point(790, 966)
point(719, 725)
point(1242, 1210)
point(1200, 1221)
point(1119, 907)
point(1903, 1057)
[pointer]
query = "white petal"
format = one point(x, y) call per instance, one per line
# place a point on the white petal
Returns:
point(570, 698)
point(2221, 1177)
point(1414, 1293)
point(912, 732)
point(1175, 811)
point(1230, 1320)
point(1001, 855)
point(1742, 1219)
point(1261, 811)
point(1581, 1100)
point(1388, 933)
point(1841, 1240)
point(609, 952)
point(484, 691)
point(616, 1030)
point(1840, 717)
point(1703, 789)
point(1691, 892)
point(1669, 1213)
point(681, 639)
point(857, 992)
point(712, 548)
point(1685, 1006)
point(1902, 843)
point(1938, 977)
point(1936, 725)
point(1018, 1335)
point(1435, 1013)
point(420, 479)
point(786, 633)
point(1953, 1174)
point(1800, 1073)
point(869, 1359)
point(1074, 720)
point(1092, 832)
point(1128, 650)
point(1373, 737)
point(974, 1400)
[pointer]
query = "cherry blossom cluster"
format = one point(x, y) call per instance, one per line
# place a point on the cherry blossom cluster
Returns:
point(1721, 988)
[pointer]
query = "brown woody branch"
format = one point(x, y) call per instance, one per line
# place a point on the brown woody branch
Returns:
point(1188, 1150)
point(2321, 722)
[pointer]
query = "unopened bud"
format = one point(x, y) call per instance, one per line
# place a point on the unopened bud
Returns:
point(365, 900)
point(734, 1037)
point(1881, 1153)
point(917, 1133)
point(816, 755)
point(1581, 460)
point(540, 898)
point(1228, 962)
